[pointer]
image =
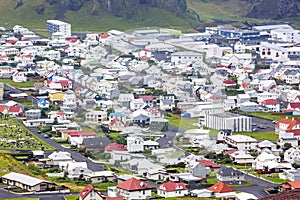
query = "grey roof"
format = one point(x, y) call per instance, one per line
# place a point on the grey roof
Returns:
point(24, 179)
point(96, 142)
point(167, 102)
point(228, 171)
point(141, 117)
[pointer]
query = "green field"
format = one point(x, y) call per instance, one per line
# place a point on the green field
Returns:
point(260, 135)
point(272, 116)
point(26, 84)
point(14, 136)
point(181, 122)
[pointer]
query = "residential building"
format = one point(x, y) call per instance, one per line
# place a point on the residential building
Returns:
point(76, 138)
point(95, 117)
point(222, 190)
point(241, 142)
point(184, 57)
point(288, 128)
point(26, 182)
point(172, 189)
point(230, 176)
point(33, 114)
point(115, 147)
point(100, 176)
point(209, 165)
point(56, 157)
point(292, 155)
point(90, 193)
point(226, 120)
point(95, 144)
point(135, 144)
point(133, 189)
point(54, 26)
point(270, 105)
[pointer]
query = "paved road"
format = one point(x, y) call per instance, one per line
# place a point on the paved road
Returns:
point(17, 91)
point(75, 154)
point(5, 194)
point(258, 188)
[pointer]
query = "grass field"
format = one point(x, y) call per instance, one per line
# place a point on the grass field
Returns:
point(71, 197)
point(181, 122)
point(13, 135)
point(271, 116)
point(26, 84)
point(260, 135)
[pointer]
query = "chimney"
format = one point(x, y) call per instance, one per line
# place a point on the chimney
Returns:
point(286, 117)
point(293, 118)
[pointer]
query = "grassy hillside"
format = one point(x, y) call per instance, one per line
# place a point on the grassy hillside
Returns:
point(199, 11)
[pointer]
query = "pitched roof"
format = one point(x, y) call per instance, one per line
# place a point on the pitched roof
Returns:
point(208, 163)
point(133, 184)
point(114, 198)
point(295, 105)
point(269, 102)
point(96, 142)
point(291, 123)
point(294, 184)
point(229, 82)
point(81, 133)
point(24, 179)
point(2, 108)
point(87, 190)
point(14, 108)
point(172, 186)
point(220, 188)
point(115, 146)
point(228, 171)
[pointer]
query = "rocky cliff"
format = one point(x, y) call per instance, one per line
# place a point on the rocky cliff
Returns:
point(274, 9)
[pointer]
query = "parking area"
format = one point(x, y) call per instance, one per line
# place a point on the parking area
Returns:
point(262, 125)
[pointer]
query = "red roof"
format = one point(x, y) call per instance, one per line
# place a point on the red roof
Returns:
point(86, 191)
point(143, 49)
point(293, 184)
point(64, 83)
point(104, 35)
point(133, 184)
point(60, 113)
point(294, 105)
point(229, 152)
point(145, 58)
point(80, 133)
point(69, 131)
point(2, 108)
point(15, 109)
point(146, 98)
point(220, 188)
point(270, 102)
point(229, 82)
point(113, 121)
point(172, 186)
point(208, 163)
point(291, 123)
point(115, 146)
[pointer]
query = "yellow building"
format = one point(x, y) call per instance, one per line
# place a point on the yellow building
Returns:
point(56, 96)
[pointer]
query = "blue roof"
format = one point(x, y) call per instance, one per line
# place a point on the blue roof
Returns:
point(117, 114)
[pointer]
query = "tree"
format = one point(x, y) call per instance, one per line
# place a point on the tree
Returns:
point(287, 145)
point(110, 110)
point(55, 121)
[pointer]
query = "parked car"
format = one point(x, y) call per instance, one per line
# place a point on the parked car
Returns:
point(46, 136)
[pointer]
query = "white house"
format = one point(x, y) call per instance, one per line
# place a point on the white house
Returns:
point(133, 189)
point(172, 189)
point(33, 114)
point(19, 77)
point(270, 105)
point(263, 159)
point(95, 117)
point(292, 155)
point(135, 144)
point(241, 142)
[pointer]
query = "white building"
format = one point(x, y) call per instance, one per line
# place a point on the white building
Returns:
point(184, 57)
point(241, 142)
point(135, 144)
point(226, 120)
point(95, 117)
point(54, 26)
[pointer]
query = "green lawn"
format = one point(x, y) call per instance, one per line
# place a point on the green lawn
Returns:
point(260, 135)
point(181, 122)
point(271, 116)
point(274, 178)
point(71, 197)
point(26, 84)
point(103, 186)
